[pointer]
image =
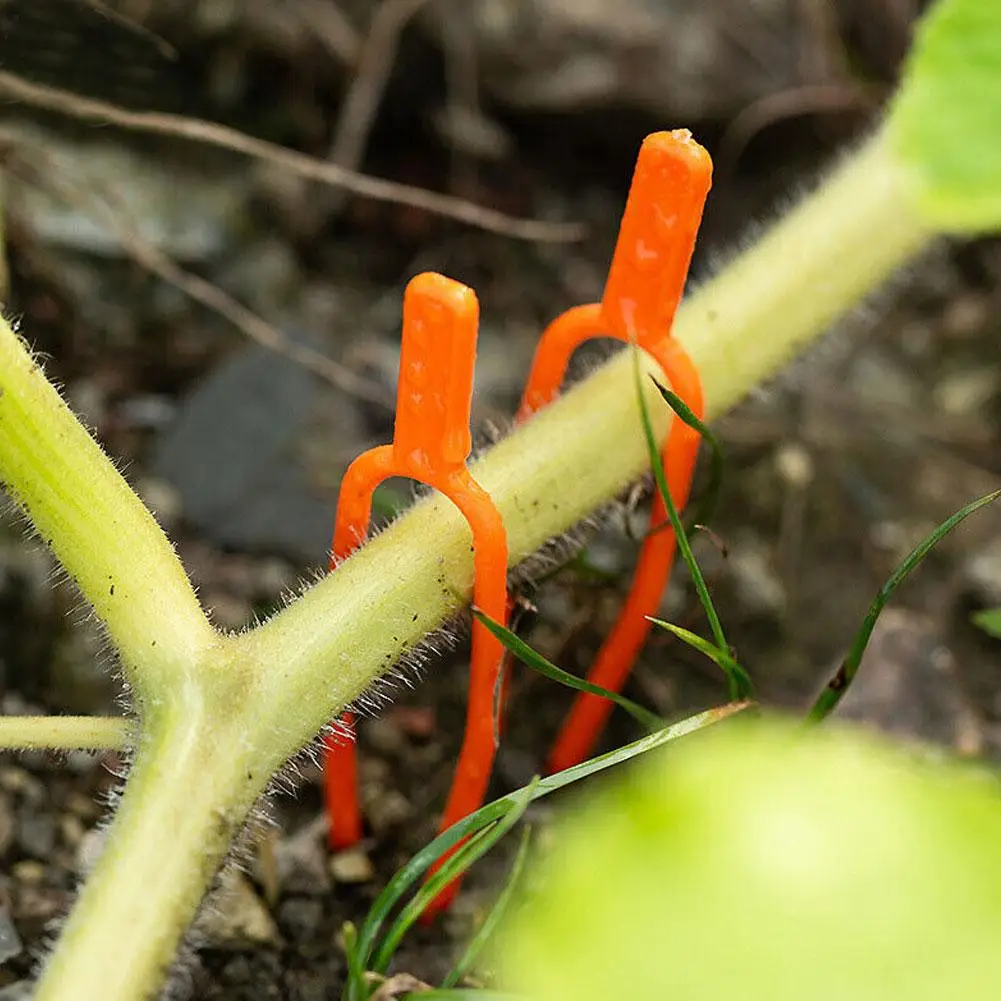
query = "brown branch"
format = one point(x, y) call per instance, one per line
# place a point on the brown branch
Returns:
point(375, 63)
point(333, 30)
point(63, 103)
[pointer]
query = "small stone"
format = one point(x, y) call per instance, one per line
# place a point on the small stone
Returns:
point(301, 860)
point(966, 315)
point(10, 941)
point(238, 917)
point(71, 830)
point(756, 582)
point(22, 990)
point(384, 736)
point(20, 783)
point(352, 866)
point(36, 834)
point(795, 465)
point(388, 810)
point(89, 849)
point(29, 872)
point(967, 393)
point(7, 826)
point(301, 917)
point(83, 807)
point(982, 575)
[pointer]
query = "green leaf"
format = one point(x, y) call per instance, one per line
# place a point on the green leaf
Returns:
point(945, 122)
point(989, 621)
point(472, 850)
point(706, 505)
point(660, 478)
point(650, 721)
point(737, 676)
point(395, 890)
point(836, 688)
point(486, 930)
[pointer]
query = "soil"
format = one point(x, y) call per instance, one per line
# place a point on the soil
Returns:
point(833, 472)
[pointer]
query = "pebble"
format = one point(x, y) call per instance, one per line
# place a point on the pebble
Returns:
point(238, 917)
point(7, 825)
point(301, 917)
point(10, 941)
point(352, 866)
point(982, 575)
point(22, 990)
point(967, 393)
point(36, 834)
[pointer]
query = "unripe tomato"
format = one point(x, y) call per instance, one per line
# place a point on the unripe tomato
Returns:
point(764, 861)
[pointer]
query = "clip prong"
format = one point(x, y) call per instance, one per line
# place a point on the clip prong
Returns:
point(645, 283)
point(431, 443)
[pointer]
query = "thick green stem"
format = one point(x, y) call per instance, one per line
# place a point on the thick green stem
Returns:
point(69, 733)
point(810, 268)
point(740, 328)
point(102, 534)
point(188, 793)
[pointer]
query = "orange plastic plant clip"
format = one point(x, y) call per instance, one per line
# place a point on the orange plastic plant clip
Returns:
point(645, 283)
point(431, 443)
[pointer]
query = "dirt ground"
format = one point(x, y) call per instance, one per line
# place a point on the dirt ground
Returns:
point(833, 472)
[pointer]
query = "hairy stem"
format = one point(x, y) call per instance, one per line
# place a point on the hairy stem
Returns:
point(101, 532)
point(68, 733)
point(578, 453)
point(184, 801)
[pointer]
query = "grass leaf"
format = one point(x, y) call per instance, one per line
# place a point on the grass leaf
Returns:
point(484, 933)
point(684, 546)
point(706, 505)
point(835, 689)
point(738, 679)
point(412, 871)
point(473, 849)
point(649, 720)
point(989, 621)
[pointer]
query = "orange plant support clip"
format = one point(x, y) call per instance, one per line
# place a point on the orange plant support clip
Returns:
point(431, 443)
point(644, 286)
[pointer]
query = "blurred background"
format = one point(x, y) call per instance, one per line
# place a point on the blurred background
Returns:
point(229, 328)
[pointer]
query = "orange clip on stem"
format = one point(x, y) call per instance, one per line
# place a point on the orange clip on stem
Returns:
point(431, 443)
point(645, 283)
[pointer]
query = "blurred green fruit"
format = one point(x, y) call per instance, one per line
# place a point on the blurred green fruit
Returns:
point(763, 860)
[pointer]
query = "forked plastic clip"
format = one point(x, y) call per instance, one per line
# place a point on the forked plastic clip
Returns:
point(431, 443)
point(644, 286)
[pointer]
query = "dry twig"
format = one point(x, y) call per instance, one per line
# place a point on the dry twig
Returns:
point(197, 130)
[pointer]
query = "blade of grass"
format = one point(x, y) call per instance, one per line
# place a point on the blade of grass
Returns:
point(356, 968)
point(483, 934)
point(413, 870)
point(463, 994)
point(649, 720)
point(989, 621)
point(738, 680)
point(470, 852)
point(684, 547)
point(706, 505)
point(835, 689)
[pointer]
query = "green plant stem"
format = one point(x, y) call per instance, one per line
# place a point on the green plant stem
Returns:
point(810, 268)
point(103, 535)
point(577, 454)
point(70, 733)
point(166, 844)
